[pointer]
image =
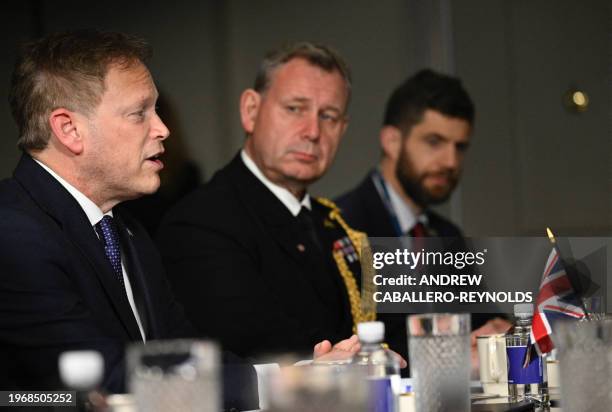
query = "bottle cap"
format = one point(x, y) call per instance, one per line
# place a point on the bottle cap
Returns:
point(371, 332)
point(523, 310)
point(81, 370)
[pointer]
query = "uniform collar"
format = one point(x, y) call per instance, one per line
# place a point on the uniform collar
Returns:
point(285, 196)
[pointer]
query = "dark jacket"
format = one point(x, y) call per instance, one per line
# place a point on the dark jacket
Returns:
point(364, 210)
point(248, 273)
point(58, 291)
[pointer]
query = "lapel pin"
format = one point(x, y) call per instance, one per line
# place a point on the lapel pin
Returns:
point(301, 247)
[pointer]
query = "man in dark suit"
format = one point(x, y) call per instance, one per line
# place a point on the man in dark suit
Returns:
point(75, 271)
point(283, 265)
point(426, 131)
point(425, 134)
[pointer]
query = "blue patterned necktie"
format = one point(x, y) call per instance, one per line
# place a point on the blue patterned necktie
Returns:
point(108, 233)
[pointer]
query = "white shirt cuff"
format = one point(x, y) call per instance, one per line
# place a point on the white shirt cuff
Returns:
point(264, 371)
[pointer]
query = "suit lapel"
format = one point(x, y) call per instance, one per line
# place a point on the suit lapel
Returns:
point(292, 241)
point(380, 222)
point(284, 228)
point(279, 222)
point(138, 279)
point(59, 204)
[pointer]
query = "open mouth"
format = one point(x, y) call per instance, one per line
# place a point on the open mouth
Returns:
point(156, 159)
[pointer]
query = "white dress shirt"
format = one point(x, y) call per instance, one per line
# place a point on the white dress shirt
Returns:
point(285, 196)
point(95, 214)
point(406, 218)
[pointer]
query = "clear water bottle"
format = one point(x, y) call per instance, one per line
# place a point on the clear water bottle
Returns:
point(530, 382)
point(381, 367)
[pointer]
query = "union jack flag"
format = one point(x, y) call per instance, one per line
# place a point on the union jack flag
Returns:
point(556, 299)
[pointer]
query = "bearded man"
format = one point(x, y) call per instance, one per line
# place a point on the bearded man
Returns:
point(424, 138)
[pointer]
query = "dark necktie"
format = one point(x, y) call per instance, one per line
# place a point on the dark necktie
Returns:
point(308, 226)
point(107, 230)
point(418, 233)
point(418, 230)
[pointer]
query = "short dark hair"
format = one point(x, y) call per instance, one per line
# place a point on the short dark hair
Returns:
point(65, 70)
point(318, 55)
point(427, 90)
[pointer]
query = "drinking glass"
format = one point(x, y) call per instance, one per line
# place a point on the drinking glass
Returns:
point(318, 388)
point(439, 351)
point(174, 375)
point(585, 362)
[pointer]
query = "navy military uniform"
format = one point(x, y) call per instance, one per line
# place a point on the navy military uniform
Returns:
point(254, 276)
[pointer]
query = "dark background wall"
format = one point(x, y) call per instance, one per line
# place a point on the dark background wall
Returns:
point(532, 164)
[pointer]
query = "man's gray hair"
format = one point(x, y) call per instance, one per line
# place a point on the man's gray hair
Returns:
point(318, 55)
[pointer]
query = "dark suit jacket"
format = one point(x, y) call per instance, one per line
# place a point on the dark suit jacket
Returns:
point(246, 272)
point(58, 291)
point(364, 210)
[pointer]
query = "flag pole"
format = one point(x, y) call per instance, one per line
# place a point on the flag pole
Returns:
point(570, 273)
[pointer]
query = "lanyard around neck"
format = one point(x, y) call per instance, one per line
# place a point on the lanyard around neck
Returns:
point(383, 191)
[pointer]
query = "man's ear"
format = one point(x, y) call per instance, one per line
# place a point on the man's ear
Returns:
point(67, 129)
point(391, 142)
point(250, 101)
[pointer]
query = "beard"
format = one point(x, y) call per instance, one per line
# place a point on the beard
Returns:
point(413, 182)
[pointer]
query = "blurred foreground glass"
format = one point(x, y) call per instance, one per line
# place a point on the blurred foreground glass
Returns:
point(595, 307)
point(318, 388)
point(176, 375)
point(585, 360)
point(439, 351)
